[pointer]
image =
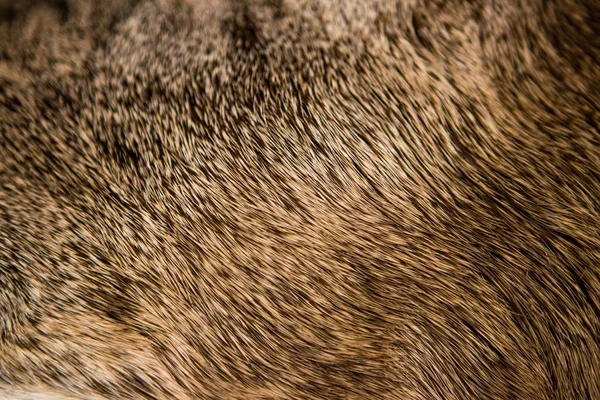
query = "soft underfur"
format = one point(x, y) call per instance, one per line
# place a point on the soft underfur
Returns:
point(281, 199)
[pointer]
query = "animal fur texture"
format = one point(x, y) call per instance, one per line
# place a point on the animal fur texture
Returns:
point(300, 199)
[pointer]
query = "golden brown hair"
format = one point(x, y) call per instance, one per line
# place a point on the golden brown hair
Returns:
point(281, 199)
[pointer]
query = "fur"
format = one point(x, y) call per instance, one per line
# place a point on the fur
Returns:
point(281, 199)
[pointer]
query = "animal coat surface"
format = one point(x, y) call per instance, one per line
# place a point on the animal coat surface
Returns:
point(280, 199)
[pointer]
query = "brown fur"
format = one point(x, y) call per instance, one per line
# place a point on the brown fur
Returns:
point(307, 199)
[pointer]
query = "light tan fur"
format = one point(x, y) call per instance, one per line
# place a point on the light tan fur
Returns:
point(279, 199)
